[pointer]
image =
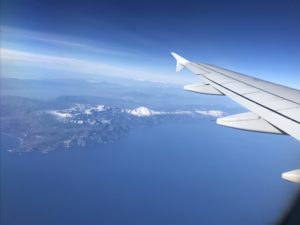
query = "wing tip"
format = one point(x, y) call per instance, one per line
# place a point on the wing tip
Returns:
point(179, 58)
point(180, 61)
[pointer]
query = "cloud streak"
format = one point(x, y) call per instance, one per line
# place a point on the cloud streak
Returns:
point(11, 34)
point(14, 60)
point(33, 54)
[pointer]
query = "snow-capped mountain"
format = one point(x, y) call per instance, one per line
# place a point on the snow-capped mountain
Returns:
point(46, 126)
point(142, 111)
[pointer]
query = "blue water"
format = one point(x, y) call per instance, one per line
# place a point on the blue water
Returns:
point(169, 174)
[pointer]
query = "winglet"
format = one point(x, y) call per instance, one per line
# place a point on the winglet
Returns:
point(180, 62)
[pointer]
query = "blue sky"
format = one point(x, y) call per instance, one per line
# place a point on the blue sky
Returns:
point(133, 39)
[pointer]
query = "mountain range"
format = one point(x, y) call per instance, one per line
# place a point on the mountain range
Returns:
point(67, 122)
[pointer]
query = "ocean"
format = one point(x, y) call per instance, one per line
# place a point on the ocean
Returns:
point(193, 173)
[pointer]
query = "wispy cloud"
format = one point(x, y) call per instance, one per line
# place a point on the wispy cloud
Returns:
point(32, 53)
point(11, 34)
point(23, 60)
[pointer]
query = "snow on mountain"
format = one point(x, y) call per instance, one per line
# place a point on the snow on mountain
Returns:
point(141, 111)
point(76, 109)
point(182, 112)
point(60, 114)
point(97, 108)
point(213, 113)
point(146, 112)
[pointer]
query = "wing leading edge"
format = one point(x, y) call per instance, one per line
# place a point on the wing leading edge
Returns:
point(273, 108)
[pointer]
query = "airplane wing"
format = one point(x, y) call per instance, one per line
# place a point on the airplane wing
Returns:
point(273, 108)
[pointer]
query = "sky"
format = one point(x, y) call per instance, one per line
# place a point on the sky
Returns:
point(133, 39)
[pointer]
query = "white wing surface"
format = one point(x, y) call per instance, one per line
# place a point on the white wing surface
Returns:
point(273, 108)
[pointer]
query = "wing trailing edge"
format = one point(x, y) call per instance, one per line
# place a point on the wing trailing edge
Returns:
point(248, 121)
point(202, 89)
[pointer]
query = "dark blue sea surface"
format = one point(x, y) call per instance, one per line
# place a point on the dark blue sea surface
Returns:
point(168, 174)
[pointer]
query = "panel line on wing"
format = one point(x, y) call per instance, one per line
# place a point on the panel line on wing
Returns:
point(223, 74)
point(271, 101)
point(274, 111)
